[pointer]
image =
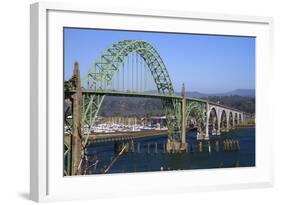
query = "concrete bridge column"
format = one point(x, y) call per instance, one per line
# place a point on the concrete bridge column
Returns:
point(219, 122)
point(241, 118)
point(227, 121)
point(207, 122)
point(214, 131)
point(238, 119)
point(225, 127)
point(216, 121)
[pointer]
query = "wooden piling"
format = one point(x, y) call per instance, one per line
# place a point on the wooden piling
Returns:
point(132, 146)
point(200, 146)
point(238, 145)
point(231, 148)
point(138, 147)
point(234, 145)
point(217, 146)
point(227, 145)
point(155, 147)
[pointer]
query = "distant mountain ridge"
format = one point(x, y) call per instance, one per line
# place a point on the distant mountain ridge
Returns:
point(238, 92)
point(241, 99)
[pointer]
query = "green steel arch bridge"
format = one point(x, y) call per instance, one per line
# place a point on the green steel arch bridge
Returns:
point(134, 68)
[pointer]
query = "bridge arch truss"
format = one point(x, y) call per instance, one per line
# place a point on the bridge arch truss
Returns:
point(106, 71)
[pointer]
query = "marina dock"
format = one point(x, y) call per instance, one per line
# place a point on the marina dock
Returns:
point(121, 136)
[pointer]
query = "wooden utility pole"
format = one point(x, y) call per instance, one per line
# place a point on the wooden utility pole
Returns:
point(76, 117)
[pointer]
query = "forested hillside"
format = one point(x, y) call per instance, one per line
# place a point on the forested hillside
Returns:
point(246, 104)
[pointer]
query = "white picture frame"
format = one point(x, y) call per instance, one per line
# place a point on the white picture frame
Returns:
point(46, 179)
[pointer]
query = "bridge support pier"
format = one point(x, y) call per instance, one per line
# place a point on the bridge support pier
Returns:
point(206, 137)
point(176, 147)
point(202, 136)
point(180, 146)
point(183, 115)
point(218, 132)
point(224, 130)
point(207, 123)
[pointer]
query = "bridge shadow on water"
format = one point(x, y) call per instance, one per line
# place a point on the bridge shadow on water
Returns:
point(149, 154)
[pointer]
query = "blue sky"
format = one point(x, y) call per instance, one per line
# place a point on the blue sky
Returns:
point(205, 63)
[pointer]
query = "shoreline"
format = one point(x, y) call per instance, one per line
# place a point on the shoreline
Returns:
point(246, 126)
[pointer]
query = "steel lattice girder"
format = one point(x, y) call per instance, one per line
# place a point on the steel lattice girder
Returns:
point(111, 59)
point(199, 109)
point(102, 73)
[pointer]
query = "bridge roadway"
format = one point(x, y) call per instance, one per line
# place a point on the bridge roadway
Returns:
point(150, 95)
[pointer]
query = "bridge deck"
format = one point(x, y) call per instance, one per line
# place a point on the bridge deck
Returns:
point(137, 94)
point(150, 95)
point(224, 106)
point(129, 93)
